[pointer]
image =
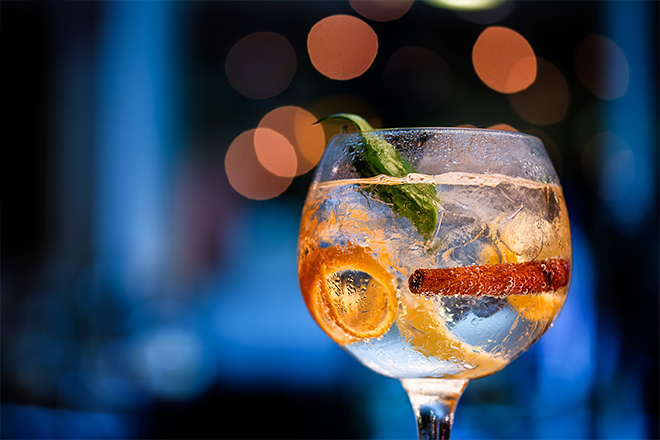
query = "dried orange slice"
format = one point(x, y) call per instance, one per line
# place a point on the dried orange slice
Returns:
point(539, 307)
point(349, 292)
point(423, 326)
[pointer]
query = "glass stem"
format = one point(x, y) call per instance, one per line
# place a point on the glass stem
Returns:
point(434, 401)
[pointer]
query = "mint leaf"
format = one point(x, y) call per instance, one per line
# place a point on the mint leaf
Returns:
point(359, 121)
point(373, 156)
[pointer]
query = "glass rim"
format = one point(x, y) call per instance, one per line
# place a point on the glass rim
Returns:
point(504, 133)
point(434, 151)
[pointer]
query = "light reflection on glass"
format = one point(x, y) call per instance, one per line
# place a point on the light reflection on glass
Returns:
point(550, 146)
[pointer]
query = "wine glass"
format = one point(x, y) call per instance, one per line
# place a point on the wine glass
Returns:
point(435, 256)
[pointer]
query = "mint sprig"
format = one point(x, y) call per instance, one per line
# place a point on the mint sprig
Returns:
point(373, 156)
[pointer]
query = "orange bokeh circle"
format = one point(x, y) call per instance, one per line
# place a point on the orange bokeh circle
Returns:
point(247, 175)
point(547, 100)
point(602, 67)
point(275, 152)
point(502, 127)
point(342, 47)
point(381, 10)
point(261, 65)
point(504, 60)
point(297, 126)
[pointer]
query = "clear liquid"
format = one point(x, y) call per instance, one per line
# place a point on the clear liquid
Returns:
point(482, 219)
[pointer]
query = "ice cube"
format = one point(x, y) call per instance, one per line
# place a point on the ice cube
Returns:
point(522, 233)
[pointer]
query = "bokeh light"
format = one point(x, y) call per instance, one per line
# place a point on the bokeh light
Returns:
point(467, 5)
point(143, 286)
point(261, 65)
point(297, 125)
point(502, 127)
point(342, 47)
point(602, 67)
point(546, 101)
point(418, 79)
point(381, 10)
point(275, 152)
point(245, 172)
point(609, 165)
point(171, 362)
point(489, 15)
point(504, 60)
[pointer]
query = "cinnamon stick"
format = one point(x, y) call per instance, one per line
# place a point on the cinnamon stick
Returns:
point(492, 280)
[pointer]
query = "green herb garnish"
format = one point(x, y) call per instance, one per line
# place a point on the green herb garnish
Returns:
point(373, 156)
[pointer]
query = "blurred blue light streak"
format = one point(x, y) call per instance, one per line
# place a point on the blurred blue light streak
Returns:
point(256, 317)
point(137, 133)
point(633, 116)
point(32, 422)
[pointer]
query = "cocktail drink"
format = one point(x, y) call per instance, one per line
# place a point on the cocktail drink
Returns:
point(435, 256)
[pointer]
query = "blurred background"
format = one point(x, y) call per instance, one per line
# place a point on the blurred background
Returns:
point(156, 157)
